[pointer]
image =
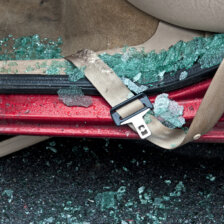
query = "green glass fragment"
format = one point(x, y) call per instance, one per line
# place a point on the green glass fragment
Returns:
point(9, 194)
point(12, 64)
point(168, 182)
point(54, 150)
point(29, 47)
point(43, 64)
point(85, 148)
point(29, 69)
point(120, 193)
point(73, 96)
point(150, 67)
point(168, 111)
point(137, 66)
point(54, 68)
point(73, 72)
point(3, 70)
point(53, 143)
point(210, 177)
point(141, 190)
point(106, 200)
point(49, 220)
point(133, 87)
point(183, 75)
point(123, 222)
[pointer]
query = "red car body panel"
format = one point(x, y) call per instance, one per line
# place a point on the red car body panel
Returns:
point(47, 115)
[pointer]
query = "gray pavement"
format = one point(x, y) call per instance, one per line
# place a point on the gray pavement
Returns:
point(98, 181)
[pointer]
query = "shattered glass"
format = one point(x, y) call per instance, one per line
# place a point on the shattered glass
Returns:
point(29, 47)
point(150, 67)
point(81, 186)
point(133, 87)
point(133, 67)
point(183, 75)
point(168, 111)
point(9, 194)
point(138, 66)
point(73, 96)
point(210, 177)
point(110, 199)
point(106, 200)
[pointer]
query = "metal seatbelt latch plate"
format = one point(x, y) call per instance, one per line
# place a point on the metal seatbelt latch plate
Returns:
point(136, 118)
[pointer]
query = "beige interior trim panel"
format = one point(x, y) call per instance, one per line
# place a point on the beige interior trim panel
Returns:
point(207, 15)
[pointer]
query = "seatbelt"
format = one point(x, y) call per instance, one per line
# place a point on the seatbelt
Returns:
point(115, 92)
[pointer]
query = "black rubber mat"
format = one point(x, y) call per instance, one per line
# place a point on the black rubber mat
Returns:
point(50, 84)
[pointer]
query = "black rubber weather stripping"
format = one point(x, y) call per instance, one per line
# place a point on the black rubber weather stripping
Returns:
point(172, 81)
point(41, 84)
point(50, 84)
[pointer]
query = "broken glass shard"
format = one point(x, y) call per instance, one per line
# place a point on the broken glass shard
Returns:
point(106, 200)
point(168, 111)
point(133, 87)
point(73, 96)
point(183, 75)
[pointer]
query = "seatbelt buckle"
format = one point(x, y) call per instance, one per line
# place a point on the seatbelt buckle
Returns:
point(136, 118)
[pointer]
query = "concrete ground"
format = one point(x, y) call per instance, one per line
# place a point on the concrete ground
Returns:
point(98, 181)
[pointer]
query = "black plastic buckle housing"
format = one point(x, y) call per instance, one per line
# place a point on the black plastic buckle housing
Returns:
point(142, 97)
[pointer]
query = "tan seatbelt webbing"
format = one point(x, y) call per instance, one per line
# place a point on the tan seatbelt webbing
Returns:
point(114, 92)
point(19, 142)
